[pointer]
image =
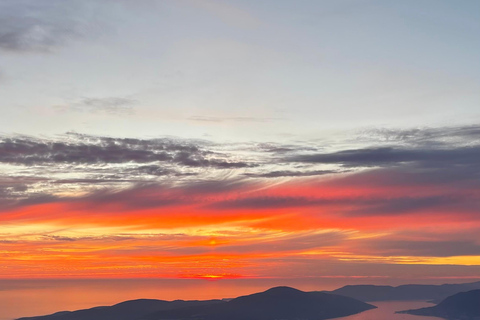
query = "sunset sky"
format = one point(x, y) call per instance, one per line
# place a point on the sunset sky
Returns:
point(218, 139)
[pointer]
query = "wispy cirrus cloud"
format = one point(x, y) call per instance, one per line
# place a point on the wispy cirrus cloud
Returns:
point(231, 119)
point(108, 105)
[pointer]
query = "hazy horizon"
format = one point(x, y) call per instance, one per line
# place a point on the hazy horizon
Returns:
point(34, 297)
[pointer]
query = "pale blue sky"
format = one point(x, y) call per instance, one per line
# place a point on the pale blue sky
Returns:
point(237, 70)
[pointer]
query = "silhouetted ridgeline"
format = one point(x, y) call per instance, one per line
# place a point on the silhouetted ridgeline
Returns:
point(462, 306)
point(404, 292)
point(128, 310)
point(276, 303)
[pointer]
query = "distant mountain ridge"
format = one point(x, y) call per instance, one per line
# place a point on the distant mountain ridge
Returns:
point(463, 305)
point(276, 303)
point(127, 310)
point(404, 292)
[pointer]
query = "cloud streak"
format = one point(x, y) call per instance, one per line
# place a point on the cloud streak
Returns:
point(252, 209)
point(231, 119)
point(103, 150)
point(385, 156)
point(108, 105)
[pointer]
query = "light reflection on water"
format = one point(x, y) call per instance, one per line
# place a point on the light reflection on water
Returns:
point(386, 311)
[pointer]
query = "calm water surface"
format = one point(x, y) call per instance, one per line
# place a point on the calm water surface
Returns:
point(386, 311)
point(33, 298)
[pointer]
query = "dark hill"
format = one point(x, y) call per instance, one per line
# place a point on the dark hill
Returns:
point(276, 303)
point(463, 305)
point(405, 292)
point(128, 310)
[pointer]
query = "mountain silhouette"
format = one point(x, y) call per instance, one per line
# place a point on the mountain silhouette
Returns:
point(463, 305)
point(404, 292)
point(128, 310)
point(276, 303)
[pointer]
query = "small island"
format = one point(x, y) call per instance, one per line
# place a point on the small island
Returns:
point(460, 306)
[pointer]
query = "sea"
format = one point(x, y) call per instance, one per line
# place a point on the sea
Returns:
point(24, 298)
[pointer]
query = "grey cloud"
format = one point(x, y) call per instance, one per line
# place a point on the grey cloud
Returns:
point(134, 194)
point(425, 248)
point(424, 135)
point(110, 105)
point(41, 25)
point(198, 160)
point(200, 167)
point(137, 197)
point(94, 181)
point(103, 150)
point(429, 156)
point(17, 191)
point(283, 148)
point(363, 206)
point(411, 204)
point(30, 152)
point(214, 186)
point(150, 195)
point(154, 170)
point(109, 199)
point(288, 173)
point(388, 156)
point(155, 195)
point(413, 175)
point(231, 119)
point(299, 242)
point(11, 201)
point(267, 202)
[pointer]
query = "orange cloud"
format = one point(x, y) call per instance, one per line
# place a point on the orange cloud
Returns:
point(249, 230)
